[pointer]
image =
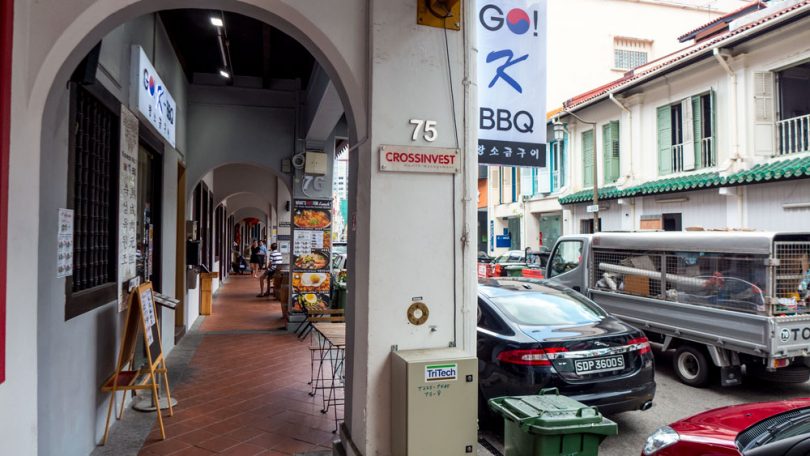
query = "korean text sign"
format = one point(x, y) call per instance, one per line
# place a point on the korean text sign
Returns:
point(152, 97)
point(512, 82)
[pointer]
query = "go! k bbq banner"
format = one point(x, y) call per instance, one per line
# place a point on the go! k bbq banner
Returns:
point(512, 82)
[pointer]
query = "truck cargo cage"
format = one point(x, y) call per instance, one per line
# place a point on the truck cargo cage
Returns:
point(792, 276)
point(730, 281)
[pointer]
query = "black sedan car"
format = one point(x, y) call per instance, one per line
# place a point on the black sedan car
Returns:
point(534, 334)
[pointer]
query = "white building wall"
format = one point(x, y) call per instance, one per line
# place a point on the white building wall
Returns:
point(84, 348)
point(765, 211)
point(751, 206)
point(578, 65)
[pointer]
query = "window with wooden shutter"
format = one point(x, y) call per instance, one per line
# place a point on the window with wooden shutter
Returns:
point(764, 114)
point(587, 158)
point(610, 151)
point(703, 127)
point(664, 119)
point(93, 196)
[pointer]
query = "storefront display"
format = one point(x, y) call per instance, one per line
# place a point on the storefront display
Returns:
point(311, 251)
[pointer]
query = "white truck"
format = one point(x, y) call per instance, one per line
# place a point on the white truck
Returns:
point(721, 300)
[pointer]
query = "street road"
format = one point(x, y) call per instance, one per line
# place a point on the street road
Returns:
point(674, 400)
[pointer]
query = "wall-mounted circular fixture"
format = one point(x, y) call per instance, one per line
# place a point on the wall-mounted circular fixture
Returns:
point(298, 161)
point(418, 313)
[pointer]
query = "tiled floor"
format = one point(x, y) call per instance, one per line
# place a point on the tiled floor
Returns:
point(246, 392)
point(236, 308)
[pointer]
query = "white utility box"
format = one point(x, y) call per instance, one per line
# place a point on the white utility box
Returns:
point(434, 402)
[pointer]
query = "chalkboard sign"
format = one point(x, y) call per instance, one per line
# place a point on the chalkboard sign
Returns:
point(151, 328)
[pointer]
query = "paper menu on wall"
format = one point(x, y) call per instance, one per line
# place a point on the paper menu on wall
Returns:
point(64, 243)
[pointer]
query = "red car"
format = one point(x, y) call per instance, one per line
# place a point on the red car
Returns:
point(780, 428)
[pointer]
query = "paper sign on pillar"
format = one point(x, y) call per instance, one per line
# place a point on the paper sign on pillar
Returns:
point(512, 82)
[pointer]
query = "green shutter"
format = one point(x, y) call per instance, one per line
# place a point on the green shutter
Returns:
point(664, 140)
point(587, 158)
point(713, 107)
point(610, 151)
point(697, 119)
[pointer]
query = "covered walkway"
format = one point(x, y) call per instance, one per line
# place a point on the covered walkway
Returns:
point(244, 390)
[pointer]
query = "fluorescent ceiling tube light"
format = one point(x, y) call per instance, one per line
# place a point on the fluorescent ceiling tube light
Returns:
point(225, 74)
point(217, 22)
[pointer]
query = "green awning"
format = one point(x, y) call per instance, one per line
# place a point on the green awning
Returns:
point(766, 172)
point(772, 171)
point(676, 184)
point(587, 195)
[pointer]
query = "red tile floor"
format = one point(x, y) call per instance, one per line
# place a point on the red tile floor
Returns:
point(246, 392)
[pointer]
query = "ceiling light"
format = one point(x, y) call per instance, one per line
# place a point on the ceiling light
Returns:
point(216, 21)
point(225, 74)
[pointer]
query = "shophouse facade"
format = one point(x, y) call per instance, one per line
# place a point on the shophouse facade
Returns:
point(225, 172)
point(712, 137)
point(522, 202)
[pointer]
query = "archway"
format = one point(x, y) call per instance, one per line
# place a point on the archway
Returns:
point(48, 98)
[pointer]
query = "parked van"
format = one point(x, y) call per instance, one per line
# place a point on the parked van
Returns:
point(719, 299)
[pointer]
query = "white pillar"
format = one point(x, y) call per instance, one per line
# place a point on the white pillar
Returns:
point(406, 228)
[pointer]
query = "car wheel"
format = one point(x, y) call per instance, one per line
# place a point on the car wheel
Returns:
point(691, 366)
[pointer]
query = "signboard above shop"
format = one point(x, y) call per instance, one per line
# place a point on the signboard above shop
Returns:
point(512, 82)
point(152, 98)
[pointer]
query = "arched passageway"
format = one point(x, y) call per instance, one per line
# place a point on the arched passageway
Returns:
point(396, 220)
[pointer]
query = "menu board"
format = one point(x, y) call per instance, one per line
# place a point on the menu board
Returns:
point(311, 253)
point(128, 201)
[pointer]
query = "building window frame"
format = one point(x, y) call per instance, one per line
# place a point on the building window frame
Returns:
point(686, 134)
point(83, 300)
point(629, 53)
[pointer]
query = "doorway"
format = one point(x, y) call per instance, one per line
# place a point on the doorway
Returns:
point(672, 222)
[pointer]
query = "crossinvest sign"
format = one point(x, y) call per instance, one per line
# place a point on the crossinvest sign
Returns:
point(419, 159)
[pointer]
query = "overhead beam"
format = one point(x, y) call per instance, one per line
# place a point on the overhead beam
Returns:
point(323, 107)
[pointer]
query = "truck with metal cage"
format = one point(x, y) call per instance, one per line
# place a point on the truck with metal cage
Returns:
point(729, 301)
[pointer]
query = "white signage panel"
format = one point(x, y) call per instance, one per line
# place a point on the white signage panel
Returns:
point(591, 208)
point(152, 97)
point(413, 159)
point(512, 82)
point(127, 203)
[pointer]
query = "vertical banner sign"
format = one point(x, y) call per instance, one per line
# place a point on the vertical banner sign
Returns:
point(512, 82)
point(311, 253)
point(128, 201)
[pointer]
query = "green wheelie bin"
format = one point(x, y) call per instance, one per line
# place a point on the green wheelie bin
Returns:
point(549, 424)
point(514, 271)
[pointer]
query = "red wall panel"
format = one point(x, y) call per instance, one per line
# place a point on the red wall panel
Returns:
point(6, 26)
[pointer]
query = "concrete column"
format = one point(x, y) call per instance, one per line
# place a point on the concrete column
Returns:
point(407, 227)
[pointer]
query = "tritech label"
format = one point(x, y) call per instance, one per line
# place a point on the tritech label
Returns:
point(441, 372)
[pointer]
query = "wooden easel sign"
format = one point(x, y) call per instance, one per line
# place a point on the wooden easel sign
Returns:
point(141, 318)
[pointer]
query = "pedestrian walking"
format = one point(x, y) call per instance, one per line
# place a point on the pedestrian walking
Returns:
point(254, 258)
